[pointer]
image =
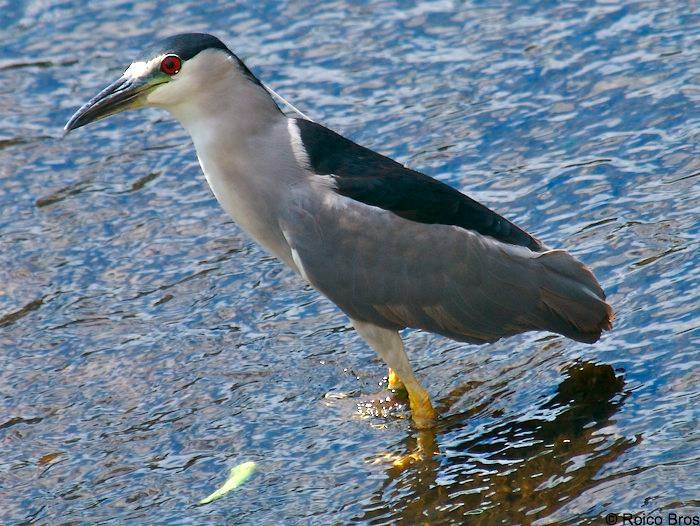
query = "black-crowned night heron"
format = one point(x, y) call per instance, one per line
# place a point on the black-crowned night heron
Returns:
point(393, 248)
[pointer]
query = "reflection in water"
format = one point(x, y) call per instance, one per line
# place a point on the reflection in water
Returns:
point(515, 472)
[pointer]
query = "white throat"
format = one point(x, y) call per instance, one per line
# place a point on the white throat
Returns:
point(242, 144)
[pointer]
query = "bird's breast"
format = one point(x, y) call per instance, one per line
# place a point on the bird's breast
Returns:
point(245, 193)
point(250, 168)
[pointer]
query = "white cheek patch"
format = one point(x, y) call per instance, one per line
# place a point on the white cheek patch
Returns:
point(164, 95)
point(139, 69)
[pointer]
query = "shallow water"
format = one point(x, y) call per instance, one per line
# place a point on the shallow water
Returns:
point(148, 345)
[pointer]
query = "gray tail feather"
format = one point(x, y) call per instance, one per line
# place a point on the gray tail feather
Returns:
point(572, 301)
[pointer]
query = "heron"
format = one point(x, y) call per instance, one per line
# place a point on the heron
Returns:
point(391, 247)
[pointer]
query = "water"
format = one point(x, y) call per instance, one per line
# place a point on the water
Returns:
point(148, 345)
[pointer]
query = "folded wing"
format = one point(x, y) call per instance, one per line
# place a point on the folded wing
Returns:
point(373, 179)
point(398, 249)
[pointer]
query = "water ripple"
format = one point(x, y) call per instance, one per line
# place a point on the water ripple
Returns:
point(149, 345)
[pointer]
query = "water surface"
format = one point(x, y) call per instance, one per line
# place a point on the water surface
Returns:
point(148, 345)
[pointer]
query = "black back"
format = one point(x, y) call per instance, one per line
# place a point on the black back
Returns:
point(376, 180)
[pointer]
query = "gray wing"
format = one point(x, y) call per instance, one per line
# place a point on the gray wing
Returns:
point(384, 269)
point(397, 248)
point(371, 178)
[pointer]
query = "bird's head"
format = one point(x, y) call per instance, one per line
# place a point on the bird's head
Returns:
point(173, 73)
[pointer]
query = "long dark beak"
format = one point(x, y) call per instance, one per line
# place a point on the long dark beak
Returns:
point(118, 96)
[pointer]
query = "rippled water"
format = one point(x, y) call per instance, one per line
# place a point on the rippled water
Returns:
point(148, 345)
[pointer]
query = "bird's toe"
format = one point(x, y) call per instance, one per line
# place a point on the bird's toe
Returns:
point(394, 383)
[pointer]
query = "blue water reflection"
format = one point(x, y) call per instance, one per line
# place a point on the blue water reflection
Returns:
point(149, 345)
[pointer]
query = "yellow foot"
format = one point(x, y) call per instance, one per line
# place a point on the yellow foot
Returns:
point(422, 410)
point(395, 383)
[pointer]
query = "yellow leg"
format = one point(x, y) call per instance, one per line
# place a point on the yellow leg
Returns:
point(388, 345)
point(421, 407)
point(395, 383)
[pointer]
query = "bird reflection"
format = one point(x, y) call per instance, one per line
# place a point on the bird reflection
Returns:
point(513, 473)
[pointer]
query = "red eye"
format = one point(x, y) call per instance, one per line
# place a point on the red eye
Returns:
point(171, 64)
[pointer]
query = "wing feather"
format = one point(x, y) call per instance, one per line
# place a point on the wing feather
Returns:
point(397, 248)
point(366, 176)
point(383, 269)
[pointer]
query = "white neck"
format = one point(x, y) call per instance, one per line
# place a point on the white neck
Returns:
point(235, 105)
point(243, 148)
